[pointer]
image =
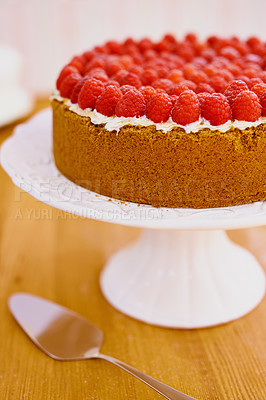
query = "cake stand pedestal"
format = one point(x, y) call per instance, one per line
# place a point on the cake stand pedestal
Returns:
point(182, 272)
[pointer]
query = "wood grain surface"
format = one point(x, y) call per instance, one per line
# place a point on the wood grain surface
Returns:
point(59, 256)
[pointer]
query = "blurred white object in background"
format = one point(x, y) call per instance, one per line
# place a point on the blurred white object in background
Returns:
point(15, 102)
point(50, 32)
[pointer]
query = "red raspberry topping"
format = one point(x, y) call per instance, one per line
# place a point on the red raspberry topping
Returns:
point(159, 108)
point(246, 106)
point(216, 109)
point(170, 66)
point(107, 101)
point(259, 89)
point(100, 74)
point(77, 63)
point(125, 88)
point(132, 104)
point(161, 83)
point(181, 87)
point(204, 87)
point(148, 92)
point(89, 93)
point(218, 83)
point(113, 66)
point(233, 89)
point(148, 76)
point(77, 89)
point(253, 82)
point(202, 96)
point(111, 82)
point(119, 76)
point(263, 104)
point(174, 98)
point(145, 44)
point(68, 84)
point(131, 79)
point(67, 70)
point(175, 76)
point(186, 108)
point(135, 69)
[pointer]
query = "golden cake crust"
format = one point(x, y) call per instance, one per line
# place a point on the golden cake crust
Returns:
point(174, 169)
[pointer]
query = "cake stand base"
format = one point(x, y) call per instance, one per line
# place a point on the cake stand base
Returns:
point(183, 279)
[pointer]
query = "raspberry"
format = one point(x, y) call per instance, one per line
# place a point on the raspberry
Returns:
point(199, 77)
point(253, 41)
point(113, 66)
point(111, 82)
point(186, 109)
point(210, 70)
point(181, 87)
point(125, 88)
point(145, 44)
point(262, 76)
point(227, 75)
point(159, 90)
point(169, 38)
point(119, 76)
point(107, 101)
point(208, 54)
point(244, 79)
point(132, 104)
point(218, 83)
point(253, 82)
point(99, 74)
point(77, 89)
point(135, 69)
point(150, 54)
point(67, 70)
point(163, 45)
point(234, 69)
point(174, 99)
point(162, 71)
point(96, 62)
point(68, 84)
point(159, 107)
point(114, 47)
point(161, 83)
point(202, 96)
point(250, 72)
point(148, 76)
point(188, 70)
point(131, 79)
point(229, 52)
point(204, 87)
point(259, 89)
point(233, 89)
point(246, 107)
point(148, 92)
point(175, 75)
point(89, 93)
point(88, 55)
point(191, 37)
point(216, 109)
point(263, 104)
point(126, 60)
point(76, 62)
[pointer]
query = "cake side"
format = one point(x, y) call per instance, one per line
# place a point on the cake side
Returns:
point(170, 169)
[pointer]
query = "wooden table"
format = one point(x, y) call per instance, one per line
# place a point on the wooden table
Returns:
point(59, 256)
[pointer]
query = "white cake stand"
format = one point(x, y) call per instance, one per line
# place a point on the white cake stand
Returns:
point(182, 272)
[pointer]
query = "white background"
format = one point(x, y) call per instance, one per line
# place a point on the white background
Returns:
point(49, 32)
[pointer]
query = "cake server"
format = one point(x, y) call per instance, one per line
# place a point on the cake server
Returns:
point(65, 335)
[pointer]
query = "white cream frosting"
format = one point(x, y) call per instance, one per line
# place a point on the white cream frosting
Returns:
point(115, 123)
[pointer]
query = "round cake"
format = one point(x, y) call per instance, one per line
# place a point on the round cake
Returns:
point(174, 123)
